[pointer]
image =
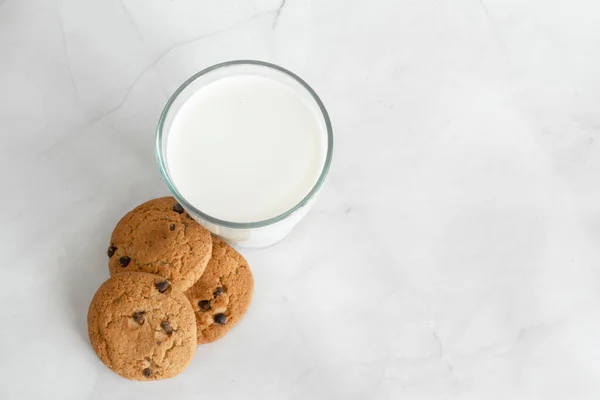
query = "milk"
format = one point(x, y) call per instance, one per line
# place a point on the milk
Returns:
point(246, 148)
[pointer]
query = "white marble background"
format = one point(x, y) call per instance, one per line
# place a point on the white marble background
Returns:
point(454, 252)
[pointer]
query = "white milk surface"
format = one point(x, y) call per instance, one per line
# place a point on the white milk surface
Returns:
point(246, 148)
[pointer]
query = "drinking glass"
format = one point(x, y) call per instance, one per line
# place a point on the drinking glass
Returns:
point(258, 234)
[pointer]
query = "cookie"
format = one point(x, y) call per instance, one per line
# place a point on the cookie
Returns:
point(223, 293)
point(141, 327)
point(160, 238)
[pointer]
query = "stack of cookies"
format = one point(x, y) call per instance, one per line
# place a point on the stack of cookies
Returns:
point(172, 286)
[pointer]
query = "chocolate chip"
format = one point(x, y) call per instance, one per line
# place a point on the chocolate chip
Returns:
point(188, 215)
point(218, 291)
point(172, 227)
point(220, 318)
point(124, 261)
point(147, 372)
point(166, 326)
point(204, 305)
point(177, 208)
point(111, 250)
point(139, 317)
point(162, 286)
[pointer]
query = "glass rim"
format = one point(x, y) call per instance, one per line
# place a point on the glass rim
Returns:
point(160, 157)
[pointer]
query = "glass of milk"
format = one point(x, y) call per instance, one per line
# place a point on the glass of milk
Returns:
point(245, 146)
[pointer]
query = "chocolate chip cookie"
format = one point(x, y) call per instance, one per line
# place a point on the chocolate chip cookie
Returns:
point(158, 237)
point(223, 293)
point(141, 327)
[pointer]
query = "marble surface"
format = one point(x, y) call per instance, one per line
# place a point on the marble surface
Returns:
point(454, 252)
